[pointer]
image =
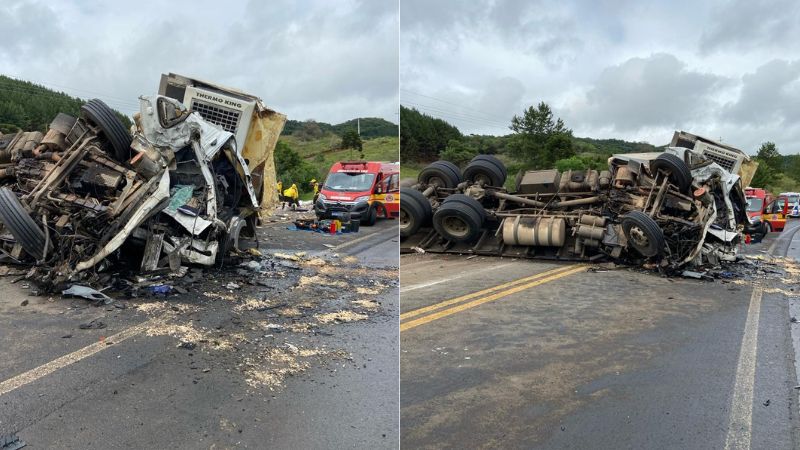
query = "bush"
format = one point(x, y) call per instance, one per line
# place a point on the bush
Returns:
point(458, 153)
point(291, 168)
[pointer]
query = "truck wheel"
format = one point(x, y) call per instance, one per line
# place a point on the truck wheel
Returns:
point(643, 233)
point(443, 174)
point(21, 225)
point(415, 211)
point(469, 201)
point(457, 222)
point(767, 227)
point(677, 170)
point(484, 171)
point(371, 217)
point(113, 131)
point(494, 160)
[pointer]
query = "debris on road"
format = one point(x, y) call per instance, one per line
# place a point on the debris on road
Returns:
point(88, 293)
point(11, 442)
point(684, 207)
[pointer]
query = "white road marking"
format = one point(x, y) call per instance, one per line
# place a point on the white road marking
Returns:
point(354, 241)
point(414, 287)
point(740, 423)
point(71, 358)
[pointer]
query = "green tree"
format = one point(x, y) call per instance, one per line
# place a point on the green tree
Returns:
point(539, 139)
point(768, 154)
point(351, 139)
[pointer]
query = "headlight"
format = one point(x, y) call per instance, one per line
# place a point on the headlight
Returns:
point(755, 219)
point(363, 198)
point(321, 197)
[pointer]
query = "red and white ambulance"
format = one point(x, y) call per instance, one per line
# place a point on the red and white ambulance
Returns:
point(364, 190)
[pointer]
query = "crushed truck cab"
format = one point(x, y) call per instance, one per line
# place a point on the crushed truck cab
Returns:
point(176, 189)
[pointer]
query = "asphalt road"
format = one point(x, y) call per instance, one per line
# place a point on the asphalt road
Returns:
point(502, 353)
point(280, 377)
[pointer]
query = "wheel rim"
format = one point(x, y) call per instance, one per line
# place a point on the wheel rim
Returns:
point(455, 226)
point(639, 238)
point(406, 221)
point(482, 178)
point(437, 181)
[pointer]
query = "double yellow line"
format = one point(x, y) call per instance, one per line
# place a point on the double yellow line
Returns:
point(458, 304)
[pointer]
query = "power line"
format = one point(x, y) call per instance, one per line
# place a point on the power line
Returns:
point(43, 93)
point(458, 116)
point(454, 104)
point(457, 113)
point(53, 85)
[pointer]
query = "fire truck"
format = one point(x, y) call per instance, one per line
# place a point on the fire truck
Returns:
point(764, 207)
point(360, 190)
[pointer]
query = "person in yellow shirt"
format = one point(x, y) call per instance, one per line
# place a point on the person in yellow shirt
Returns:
point(315, 185)
point(291, 196)
point(280, 187)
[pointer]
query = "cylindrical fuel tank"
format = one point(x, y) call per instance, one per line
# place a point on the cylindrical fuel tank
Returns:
point(595, 221)
point(590, 232)
point(536, 231)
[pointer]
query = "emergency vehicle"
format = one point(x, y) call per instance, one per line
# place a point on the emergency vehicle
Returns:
point(794, 203)
point(364, 190)
point(763, 207)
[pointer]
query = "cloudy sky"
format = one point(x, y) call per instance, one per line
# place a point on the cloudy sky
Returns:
point(610, 68)
point(330, 61)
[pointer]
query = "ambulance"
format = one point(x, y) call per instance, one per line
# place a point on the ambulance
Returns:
point(360, 190)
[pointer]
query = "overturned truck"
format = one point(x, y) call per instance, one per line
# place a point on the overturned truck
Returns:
point(681, 207)
point(177, 189)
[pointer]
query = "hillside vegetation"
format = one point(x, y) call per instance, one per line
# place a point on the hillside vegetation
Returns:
point(371, 127)
point(30, 107)
point(541, 141)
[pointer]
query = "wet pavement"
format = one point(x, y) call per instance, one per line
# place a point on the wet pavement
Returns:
point(503, 353)
point(291, 351)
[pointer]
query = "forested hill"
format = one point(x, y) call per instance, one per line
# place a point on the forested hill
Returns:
point(28, 106)
point(423, 138)
point(371, 127)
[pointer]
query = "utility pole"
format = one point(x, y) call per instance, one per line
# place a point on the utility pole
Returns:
point(358, 123)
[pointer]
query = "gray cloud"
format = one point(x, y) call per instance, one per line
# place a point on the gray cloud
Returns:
point(611, 68)
point(770, 94)
point(331, 61)
point(657, 90)
point(751, 25)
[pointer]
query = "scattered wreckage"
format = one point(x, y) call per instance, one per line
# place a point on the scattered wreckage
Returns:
point(178, 190)
point(678, 208)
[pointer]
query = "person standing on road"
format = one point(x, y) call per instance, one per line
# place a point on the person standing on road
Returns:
point(291, 196)
point(315, 186)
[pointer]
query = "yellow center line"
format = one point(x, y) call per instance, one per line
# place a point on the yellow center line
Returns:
point(463, 306)
point(483, 292)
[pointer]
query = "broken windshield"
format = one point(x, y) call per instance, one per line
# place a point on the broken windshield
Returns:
point(349, 182)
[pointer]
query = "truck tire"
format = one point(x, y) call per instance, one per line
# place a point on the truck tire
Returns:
point(484, 171)
point(458, 222)
point(440, 173)
point(494, 160)
point(643, 233)
point(469, 201)
point(675, 168)
point(113, 131)
point(371, 217)
point(21, 225)
point(415, 211)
